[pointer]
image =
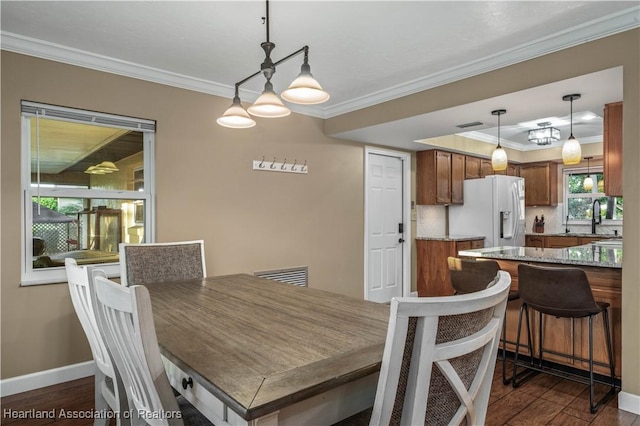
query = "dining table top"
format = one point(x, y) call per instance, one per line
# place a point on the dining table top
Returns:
point(259, 345)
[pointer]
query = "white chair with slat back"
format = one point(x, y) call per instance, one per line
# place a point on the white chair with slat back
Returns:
point(109, 390)
point(439, 357)
point(158, 262)
point(125, 318)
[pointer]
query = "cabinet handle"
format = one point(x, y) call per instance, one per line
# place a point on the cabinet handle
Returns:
point(187, 383)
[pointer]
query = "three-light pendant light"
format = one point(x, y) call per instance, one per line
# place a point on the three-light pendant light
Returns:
point(304, 90)
point(499, 156)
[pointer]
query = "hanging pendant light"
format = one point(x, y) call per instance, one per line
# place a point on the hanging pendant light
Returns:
point(268, 105)
point(236, 117)
point(571, 151)
point(588, 181)
point(499, 156)
point(304, 90)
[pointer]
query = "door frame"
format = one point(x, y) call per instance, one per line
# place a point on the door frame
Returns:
point(405, 157)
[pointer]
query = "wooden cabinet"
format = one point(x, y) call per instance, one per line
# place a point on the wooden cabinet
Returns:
point(571, 336)
point(540, 183)
point(440, 177)
point(534, 241)
point(561, 241)
point(612, 149)
point(472, 167)
point(433, 269)
point(513, 170)
point(486, 169)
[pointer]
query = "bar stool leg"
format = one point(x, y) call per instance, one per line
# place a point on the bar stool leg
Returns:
point(524, 309)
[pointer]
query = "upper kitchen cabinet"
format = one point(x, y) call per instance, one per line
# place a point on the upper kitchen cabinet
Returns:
point(440, 177)
point(472, 167)
point(540, 183)
point(486, 169)
point(612, 149)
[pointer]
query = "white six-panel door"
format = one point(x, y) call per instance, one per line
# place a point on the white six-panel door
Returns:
point(384, 214)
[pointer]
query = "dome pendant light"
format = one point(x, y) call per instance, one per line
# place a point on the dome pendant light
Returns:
point(588, 181)
point(268, 105)
point(305, 89)
point(571, 151)
point(499, 156)
point(236, 117)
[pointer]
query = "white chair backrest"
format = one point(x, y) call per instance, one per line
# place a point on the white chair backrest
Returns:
point(459, 335)
point(157, 262)
point(81, 295)
point(126, 320)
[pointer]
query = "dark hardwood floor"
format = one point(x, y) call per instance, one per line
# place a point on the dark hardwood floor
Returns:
point(544, 400)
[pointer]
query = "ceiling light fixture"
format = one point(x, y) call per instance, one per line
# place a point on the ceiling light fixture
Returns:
point(499, 156)
point(102, 168)
point(304, 90)
point(571, 151)
point(588, 181)
point(545, 135)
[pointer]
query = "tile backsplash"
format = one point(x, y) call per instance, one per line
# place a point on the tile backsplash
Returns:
point(431, 221)
point(554, 222)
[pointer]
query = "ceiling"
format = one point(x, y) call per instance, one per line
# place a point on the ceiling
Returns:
point(362, 52)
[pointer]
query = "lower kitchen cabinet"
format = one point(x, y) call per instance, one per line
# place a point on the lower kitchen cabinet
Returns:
point(433, 269)
point(560, 241)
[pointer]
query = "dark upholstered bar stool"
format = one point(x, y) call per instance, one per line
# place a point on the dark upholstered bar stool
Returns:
point(563, 293)
point(468, 276)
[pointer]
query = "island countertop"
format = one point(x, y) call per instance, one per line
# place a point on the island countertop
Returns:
point(599, 254)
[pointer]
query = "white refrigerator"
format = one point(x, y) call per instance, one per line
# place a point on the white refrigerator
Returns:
point(494, 208)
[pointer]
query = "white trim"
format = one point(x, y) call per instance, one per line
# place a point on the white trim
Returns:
point(603, 27)
point(46, 378)
point(629, 402)
point(405, 157)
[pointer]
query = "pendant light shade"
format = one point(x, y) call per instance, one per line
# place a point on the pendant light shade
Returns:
point(588, 181)
point(499, 157)
point(236, 117)
point(571, 150)
point(305, 89)
point(269, 105)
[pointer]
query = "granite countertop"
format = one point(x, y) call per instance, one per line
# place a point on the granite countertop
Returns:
point(451, 238)
point(607, 255)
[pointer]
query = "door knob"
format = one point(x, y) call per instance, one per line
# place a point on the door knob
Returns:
point(401, 240)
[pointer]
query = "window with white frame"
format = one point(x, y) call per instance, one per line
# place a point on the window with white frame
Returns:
point(580, 196)
point(83, 190)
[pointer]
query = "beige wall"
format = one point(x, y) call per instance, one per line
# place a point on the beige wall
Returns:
point(206, 188)
point(252, 220)
point(618, 50)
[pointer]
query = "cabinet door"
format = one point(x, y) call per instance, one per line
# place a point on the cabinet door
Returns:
point(612, 149)
point(476, 244)
point(486, 169)
point(472, 167)
point(513, 170)
point(561, 242)
point(433, 269)
point(540, 183)
point(457, 178)
point(534, 241)
point(443, 177)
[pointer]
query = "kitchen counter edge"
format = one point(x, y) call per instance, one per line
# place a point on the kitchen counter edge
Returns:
point(451, 238)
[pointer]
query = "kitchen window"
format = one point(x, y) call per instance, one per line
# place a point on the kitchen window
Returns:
point(83, 188)
point(579, 201)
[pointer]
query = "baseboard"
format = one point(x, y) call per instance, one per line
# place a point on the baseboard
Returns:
point(414, 294)
point(629, 402)
point(45, 378)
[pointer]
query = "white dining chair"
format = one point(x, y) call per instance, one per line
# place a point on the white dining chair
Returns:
point(109, 390)
point(439, 357)
point(147, 263)
point(125, 318)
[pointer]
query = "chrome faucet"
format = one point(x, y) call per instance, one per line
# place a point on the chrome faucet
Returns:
point(595, 213)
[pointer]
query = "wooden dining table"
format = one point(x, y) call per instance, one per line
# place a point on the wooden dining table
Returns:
point(249, 351)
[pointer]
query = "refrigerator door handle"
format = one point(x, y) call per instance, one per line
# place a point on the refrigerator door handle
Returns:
point(516, 209)
point(501, 224)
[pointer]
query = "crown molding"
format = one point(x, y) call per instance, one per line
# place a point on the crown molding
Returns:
point(589, 31)
point(599, 28)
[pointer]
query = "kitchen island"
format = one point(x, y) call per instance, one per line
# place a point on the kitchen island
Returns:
point(602, 262)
